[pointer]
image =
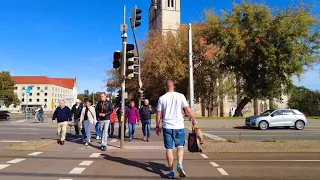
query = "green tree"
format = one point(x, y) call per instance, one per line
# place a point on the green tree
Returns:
point(7, 89)
point(263, 47)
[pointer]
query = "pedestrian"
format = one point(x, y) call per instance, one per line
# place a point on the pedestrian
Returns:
point(119, 120)
point(62, 116)
point(133, 119)
point(145, 114)
point(88, 117)
point(83, 131)
point(76, 111)
point(169, 110)
point(104, 109)
point(113, 117)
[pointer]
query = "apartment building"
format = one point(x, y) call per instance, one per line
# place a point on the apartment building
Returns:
point(45, 92)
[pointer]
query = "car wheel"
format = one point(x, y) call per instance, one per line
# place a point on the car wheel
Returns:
point(8, 118)
point(263, 125)
point(299, 125)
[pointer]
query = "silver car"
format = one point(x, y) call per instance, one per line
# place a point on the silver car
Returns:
point(278, 118)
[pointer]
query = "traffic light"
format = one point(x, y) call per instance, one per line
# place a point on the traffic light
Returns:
point(116, 59)
point(130, 61)
point(135, 17)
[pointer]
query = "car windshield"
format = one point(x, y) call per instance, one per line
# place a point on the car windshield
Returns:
point(267, 113)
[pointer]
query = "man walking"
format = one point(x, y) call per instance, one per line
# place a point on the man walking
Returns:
point(169, 110)
point(104, 110)
point(62, 116)
point(145, 114)
point(76, 111)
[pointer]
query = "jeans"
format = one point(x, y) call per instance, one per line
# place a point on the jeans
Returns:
point(132, 128)
point(119, 132)
point(98, 131)
point(83, 131)
point(146, 128)
point(104, 125)
point(111, 129)
point(88, 126)
point(174, 137)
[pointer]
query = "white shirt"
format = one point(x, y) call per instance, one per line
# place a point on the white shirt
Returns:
point(170, 105)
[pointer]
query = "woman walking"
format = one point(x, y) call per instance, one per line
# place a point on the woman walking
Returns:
point(88, 117)
point(133, 117)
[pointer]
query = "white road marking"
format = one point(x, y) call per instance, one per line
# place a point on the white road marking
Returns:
point(85, 163)
point(2, 166)
point(19, 121)
point(35, 153)
point(8, 141)
point(114, 140)
point(65, 179)
point(204, 156)
point(15, 161)
point(95, 155)
point(222, 171)
point(214, 137)
point(28, 128)
point(77, 170)
point(214, 164)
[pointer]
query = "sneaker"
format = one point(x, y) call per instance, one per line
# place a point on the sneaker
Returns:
point(104, 148)
point(86, 144)
point(98, 137)
point(170, 175)
point(180, 170)
point(148, 140)
point(130, 140)
point(144, 138)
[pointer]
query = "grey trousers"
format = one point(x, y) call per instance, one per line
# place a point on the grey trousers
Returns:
point(104, 125)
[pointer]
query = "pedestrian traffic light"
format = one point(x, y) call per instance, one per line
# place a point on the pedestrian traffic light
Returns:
point(135, 17)
point(116, 59)
point(130, 61)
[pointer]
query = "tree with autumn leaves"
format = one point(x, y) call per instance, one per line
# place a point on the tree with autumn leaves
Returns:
point(252, 46)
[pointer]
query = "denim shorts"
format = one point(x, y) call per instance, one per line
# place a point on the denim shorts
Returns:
point(176, 136)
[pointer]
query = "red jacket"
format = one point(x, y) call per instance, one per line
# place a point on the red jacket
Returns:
point(113, 116)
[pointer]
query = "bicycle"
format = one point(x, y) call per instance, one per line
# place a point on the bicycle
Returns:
point(35, 119)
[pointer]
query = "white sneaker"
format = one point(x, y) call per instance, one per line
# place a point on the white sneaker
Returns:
point(97, 137)
point(86, 144)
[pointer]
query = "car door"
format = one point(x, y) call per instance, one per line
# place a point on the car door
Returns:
point(277, 118)
point(289, 117)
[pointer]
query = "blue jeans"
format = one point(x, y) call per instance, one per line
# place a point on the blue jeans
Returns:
point(146, 128)
point(88, 126)
point(98, 131)
point(176, 136)
point(132, 128)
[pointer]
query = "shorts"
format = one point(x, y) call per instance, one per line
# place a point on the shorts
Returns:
point(176, 136)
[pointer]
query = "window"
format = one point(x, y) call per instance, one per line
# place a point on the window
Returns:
point(277, 113)
point(15, 88)
point(38, 88)
point(38, 100)
point(23, 94)
point(38, 94)
point(289, 112)
point(30, 100)
point(45, 100)
point(46, 88)
point(30, 94)
point(45, 94)
point(171, 3)
point(22, 99)
point(23, 88)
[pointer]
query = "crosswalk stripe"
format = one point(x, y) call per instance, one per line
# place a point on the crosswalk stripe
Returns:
point(2, 166)
point(15, 161)
point(222, 171)
point(77, 170)
point(35, 153)
point(85, 163)
point(214, 164)
point(95, 155)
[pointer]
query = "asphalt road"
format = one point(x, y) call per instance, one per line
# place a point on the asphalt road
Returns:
point(308, 133)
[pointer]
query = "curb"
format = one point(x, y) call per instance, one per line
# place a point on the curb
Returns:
point(16, 147)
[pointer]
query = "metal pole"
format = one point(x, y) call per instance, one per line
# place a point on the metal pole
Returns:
point(93, 96)
point(139, 80)
point(191, 83)
point(27, 105)
point(123, 74)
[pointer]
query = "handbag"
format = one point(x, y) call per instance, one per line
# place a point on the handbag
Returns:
point(192, 142)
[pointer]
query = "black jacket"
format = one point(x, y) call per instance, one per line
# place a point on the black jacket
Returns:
point(62, 114)
point(107, 110)
point(145, 112)
point(76, 112)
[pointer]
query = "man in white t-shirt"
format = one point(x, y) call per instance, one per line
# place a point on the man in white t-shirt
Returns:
point(169, 109)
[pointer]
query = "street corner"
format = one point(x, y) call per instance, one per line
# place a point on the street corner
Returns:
point(31, 145)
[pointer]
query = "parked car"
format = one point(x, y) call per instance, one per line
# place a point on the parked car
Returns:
point(278, 118)
point(4, 115)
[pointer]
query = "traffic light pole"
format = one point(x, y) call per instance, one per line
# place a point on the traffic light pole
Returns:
point(123, 77)
point(191, 83)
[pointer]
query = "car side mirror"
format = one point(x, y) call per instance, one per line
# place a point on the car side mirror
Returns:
point(272, 115)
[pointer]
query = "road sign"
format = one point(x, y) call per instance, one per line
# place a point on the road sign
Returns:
point(52, 104)
point(140, 84)
point(123, 27)
point(27, 91)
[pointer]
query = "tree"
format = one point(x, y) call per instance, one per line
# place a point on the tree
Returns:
point(264, 48)
point(7, 89)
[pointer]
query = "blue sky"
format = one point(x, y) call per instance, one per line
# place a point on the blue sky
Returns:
point(76, 38)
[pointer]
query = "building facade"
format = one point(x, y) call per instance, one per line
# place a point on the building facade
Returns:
point(45, 92)
point(164, 15)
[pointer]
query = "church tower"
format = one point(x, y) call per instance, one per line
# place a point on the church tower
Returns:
point(164, 15)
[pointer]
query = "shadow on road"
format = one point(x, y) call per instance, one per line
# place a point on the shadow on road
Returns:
point(152, 167)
